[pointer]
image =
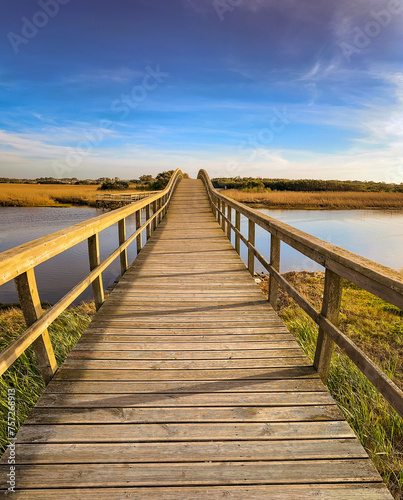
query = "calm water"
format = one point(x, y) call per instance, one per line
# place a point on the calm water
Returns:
point(374, 234)
point(377, 235)
point(58, 275)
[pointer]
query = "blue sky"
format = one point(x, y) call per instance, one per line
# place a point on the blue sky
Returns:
point(296, 89)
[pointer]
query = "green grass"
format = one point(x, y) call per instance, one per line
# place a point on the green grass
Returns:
point(23, 375)
point(377, 327)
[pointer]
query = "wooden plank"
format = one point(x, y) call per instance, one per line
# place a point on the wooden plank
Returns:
point(215, 473)
point(363, 491)
point(161, 400)
point(190, 451)
point(223, 374)
point(174, 415)
point(170, 432)
point(183, 364)
point(245, 385)
point(97, 351)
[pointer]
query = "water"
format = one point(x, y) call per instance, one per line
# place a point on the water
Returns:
point(375, 234)
point(58, 275)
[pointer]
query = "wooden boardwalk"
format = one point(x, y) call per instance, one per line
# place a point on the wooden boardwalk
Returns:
point(187, 385)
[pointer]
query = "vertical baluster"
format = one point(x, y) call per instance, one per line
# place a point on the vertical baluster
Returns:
point(122, 239)
point(31, 307)
point(139, 236)
point(229, 214)
point(251, 239)
point(330, 309)
point(275, 262)
point(223, 213)
point(148, 230)
point(238, 226)
point(155, 219)
point(95, 260)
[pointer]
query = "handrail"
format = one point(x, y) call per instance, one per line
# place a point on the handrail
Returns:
point(129, 197)
point(338, 263)
point(18, 263)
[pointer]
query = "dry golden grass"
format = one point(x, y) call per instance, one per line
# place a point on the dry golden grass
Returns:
point(50, 195)
point(318, 200)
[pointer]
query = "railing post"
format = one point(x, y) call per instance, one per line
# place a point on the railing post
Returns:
point(229, 215)
point(148, 230)
point(330, 309)
point(138, 237)
point(122, 239)
point(238, 226)
point(31, 307)
point(223, 213)
point(95, 260)
point(251, 239)
point(154, 211)
point(275, 263)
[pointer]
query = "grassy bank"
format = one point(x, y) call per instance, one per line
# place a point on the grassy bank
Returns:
point(318, 200)
point(50, 195)
point(23, 375)
point(377, 328)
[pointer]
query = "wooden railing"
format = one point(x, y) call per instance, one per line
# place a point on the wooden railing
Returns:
point(123, 199)
point(338, 263)
point(19, 264)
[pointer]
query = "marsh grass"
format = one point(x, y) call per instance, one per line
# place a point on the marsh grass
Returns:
point(23, 375)
point(377, 327)
point(340, 200)
point(50, 195)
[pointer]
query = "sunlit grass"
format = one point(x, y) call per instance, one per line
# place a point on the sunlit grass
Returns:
point(50, 195)
point(377, 327)
point(24, 375)
point(318, 200)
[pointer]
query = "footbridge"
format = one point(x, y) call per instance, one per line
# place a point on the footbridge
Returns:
point(186, 384)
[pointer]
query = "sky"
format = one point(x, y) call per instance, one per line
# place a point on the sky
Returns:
point(269, 88)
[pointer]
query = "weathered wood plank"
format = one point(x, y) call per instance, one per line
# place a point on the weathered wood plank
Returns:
point(241, 385)
point(191, 415)
point(223, 374)
point(190, 451)
point(363, 491)
point(183, 364)
point(174, 400)
point(167, 432)
point(215, 473)
point(94, 352)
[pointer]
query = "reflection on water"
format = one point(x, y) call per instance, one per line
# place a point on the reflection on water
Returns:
point(375, 234)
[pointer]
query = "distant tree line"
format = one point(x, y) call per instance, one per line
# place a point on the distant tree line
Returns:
point(262, 184)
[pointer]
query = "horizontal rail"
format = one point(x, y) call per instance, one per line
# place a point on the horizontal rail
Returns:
point(375, 279)
point(128, 197)
point(20, 261)
point(380, 280)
